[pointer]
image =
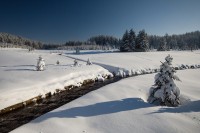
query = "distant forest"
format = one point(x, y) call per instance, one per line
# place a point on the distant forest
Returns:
point(130, 42)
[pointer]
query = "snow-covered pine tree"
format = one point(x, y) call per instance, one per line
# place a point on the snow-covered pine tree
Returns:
point(165, 91)
point(75, 62)
point(89, 62)
point(40, 64)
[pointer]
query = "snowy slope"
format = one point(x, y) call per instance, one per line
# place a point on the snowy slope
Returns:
point(121, 108)
point(138, 60)
point(19, 81)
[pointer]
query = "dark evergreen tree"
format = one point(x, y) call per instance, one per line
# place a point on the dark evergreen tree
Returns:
point(132, 38)
point(173, 44)
point(163, 45)
point(103, 40)
point(125, 45)
point(142, 43)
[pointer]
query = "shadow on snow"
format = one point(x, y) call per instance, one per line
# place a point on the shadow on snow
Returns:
point(97, 109)
point(193, 106)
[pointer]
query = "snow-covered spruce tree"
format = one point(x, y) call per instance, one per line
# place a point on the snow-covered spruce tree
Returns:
point(165, 91)
point(75, 62)
point(89, 62)
point(40, 64)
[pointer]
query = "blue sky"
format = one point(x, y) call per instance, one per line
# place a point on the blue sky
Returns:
point(59, 21)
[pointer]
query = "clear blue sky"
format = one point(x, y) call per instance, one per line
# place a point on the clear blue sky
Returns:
point(59, 21)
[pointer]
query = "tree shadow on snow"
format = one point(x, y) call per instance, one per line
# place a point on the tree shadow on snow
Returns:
point(193, 106)
point(97, 109)
point(19, 66)
point(20, 70)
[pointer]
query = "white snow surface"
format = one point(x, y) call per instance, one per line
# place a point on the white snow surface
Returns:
point(115, 108)
point(19, 80)
point(122, 108)
point(137, 61)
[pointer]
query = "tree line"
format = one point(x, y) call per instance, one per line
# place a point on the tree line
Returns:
point(130, 42)
point(187, 41)
point(8, 40)
point(143, 42)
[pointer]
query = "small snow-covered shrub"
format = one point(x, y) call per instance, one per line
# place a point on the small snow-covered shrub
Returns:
point(89, 62)
point(165, 91)
point(40, 64)
point(76, 62)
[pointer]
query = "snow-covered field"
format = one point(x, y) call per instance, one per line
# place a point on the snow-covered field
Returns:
point(115, 108)
point(137, 61)
point(122, 108)
point(19, 80)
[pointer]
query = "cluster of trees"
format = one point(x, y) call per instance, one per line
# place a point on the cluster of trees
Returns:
point(143, 42)
point(104, 41)
point(100, 42)
point(8, 40)
point(84, 47)
point(187, 41)
point(132, 42)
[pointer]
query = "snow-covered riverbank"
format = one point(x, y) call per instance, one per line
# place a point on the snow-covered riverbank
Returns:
point(20, 81)
point(122, 107)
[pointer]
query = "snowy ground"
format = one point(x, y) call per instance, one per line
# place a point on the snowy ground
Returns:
point(19, 80)
point(137, 61)
point(121, 108)
point(118, 107)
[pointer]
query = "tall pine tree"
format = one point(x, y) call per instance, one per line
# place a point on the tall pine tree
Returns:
point(125, 43)
point(162, 45)
point(142, 43)
point(132, 38)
